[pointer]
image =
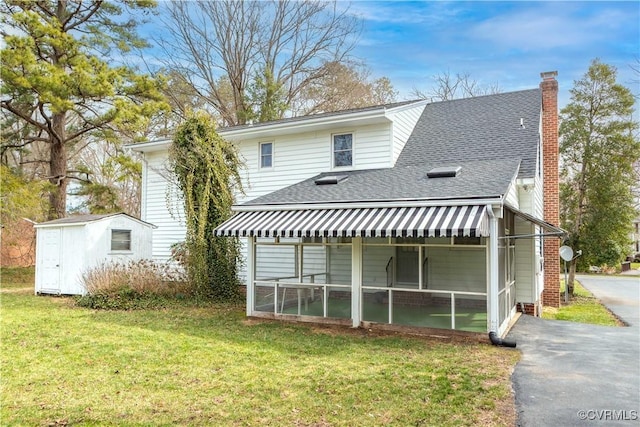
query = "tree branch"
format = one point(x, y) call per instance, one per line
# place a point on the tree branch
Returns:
point(6, 104)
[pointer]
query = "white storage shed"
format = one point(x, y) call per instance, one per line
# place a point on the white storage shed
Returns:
point(66, 247)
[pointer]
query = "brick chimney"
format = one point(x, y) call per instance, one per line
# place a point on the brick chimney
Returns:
point(551, 197)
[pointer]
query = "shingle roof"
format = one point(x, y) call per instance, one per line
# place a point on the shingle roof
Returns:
point(494, 138)
point(477, 179)
point(480, 128)
point(83, 219)
point(77, 219)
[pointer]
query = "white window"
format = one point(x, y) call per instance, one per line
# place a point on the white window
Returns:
point(266, 154)
point(343, 150)
point(120, 240)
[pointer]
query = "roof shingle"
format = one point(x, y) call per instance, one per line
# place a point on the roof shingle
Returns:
point(494, 138)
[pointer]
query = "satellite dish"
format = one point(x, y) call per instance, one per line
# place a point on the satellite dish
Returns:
point(566, 253)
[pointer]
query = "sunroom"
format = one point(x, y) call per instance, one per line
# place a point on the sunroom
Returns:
point(447, 267)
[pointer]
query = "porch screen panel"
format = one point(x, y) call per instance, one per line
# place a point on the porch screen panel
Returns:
point(424, 221)
point(276, 263)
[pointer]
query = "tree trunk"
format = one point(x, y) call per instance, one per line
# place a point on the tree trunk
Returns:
point(58, 168)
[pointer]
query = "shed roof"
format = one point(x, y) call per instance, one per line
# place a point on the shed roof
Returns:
point(88, 218)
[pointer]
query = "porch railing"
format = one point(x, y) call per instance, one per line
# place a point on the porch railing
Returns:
point(304, 290)
point(452, 297)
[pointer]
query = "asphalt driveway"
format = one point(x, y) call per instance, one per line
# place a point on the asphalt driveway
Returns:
point(574, 374)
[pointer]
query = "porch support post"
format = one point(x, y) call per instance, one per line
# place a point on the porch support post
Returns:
point(251, 273)
point(356, 280)
point(493, 315)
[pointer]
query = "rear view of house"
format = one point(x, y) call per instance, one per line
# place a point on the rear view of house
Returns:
point(416, 214)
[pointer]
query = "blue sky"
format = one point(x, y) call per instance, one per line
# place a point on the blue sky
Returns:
point(508, 43)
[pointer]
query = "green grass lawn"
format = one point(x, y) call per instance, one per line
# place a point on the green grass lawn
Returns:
point(583, 308)
point(64, 365)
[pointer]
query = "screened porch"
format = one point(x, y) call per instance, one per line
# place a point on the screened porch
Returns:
point(435, 282)
point(447, 267)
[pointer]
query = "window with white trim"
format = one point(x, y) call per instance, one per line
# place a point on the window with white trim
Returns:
point(120, 240)
point(342, 150)
point(266, 155)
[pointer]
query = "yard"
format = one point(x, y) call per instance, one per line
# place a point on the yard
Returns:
point(583, 308)
point(189, 365)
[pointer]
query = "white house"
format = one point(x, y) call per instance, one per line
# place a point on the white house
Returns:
point(67, 247)
point(421, 214)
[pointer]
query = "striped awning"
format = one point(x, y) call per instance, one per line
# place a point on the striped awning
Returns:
point(430, 221)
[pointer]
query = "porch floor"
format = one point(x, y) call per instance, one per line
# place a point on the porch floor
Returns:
point(471, 319)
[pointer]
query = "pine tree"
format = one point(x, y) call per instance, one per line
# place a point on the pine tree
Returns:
point(57, 76)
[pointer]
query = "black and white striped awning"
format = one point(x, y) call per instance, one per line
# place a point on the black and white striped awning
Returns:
point(431, 221)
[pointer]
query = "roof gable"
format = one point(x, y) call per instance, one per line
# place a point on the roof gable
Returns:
point(88, 218)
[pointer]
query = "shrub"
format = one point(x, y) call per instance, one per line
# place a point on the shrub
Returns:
point(131, 285)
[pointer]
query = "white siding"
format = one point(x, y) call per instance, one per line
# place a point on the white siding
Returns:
point(83, 246)
point(526, 200)
point(525, 262)
point(403, 124)
point(538, 211)
point(538, 200)
point(162, 208)
point(97, 238)
point(512, 198)
point(529, 277)
point(74, 255)
point(298, 157)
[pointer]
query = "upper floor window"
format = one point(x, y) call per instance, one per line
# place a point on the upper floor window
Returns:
point(120, 240)
point(343, 150)
point(266, 154)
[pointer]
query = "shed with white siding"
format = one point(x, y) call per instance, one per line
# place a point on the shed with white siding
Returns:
point(67, 247)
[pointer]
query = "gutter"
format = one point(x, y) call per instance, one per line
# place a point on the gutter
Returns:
point(401, 203)
point(145, 147)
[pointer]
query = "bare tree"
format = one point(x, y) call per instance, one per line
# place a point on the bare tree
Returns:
point(344, 86)
point(447, 87)
point(221, 47)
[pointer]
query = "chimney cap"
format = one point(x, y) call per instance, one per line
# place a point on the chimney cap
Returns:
point(548, 75)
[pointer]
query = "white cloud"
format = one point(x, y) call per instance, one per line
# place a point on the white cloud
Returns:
point(545, 26)
point(405, 12)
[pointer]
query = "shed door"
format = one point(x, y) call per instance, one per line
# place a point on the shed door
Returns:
point(49, 267)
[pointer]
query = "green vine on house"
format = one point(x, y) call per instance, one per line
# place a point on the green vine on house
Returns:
point(206, 168)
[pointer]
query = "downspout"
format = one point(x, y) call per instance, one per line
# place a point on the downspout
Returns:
point(496, 340)
point(494, 314)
